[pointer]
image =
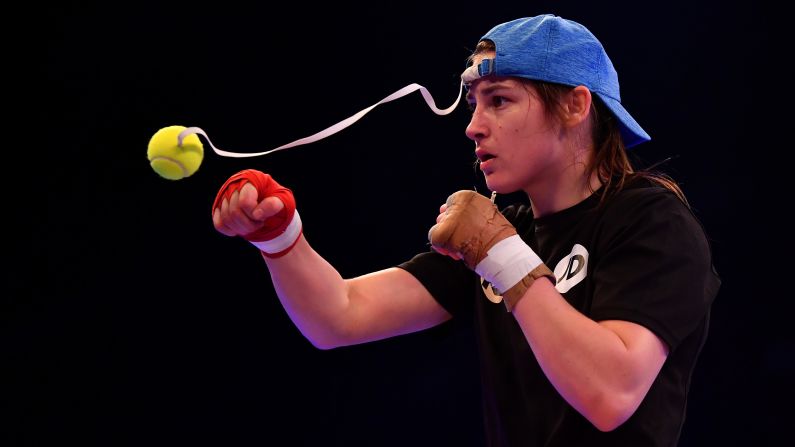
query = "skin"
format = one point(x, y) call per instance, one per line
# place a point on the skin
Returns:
point(603, 369)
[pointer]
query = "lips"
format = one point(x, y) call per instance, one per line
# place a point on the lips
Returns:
point(485, 159)
point(485, 166)
point(483, 155)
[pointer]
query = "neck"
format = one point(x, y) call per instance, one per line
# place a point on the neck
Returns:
point(558, 192)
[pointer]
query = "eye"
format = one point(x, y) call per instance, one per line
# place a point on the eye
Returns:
point(498, 101)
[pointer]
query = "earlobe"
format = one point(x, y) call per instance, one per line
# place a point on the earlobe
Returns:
point(578, 105)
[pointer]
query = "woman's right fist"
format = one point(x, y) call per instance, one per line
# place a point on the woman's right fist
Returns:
point(251, 204)
point(243, 213)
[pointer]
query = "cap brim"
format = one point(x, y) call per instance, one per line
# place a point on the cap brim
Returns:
point(631, 132)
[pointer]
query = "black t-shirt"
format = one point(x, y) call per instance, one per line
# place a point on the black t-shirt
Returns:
point(641, 257)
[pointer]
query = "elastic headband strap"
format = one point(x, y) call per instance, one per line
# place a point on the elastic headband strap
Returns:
point(334, 128)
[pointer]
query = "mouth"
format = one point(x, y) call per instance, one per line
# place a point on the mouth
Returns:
point(483, 156)
point(486, 157)
point(484, 162)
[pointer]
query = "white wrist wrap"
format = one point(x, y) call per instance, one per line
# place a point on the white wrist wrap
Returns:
point(284, 240)
point(507, 262)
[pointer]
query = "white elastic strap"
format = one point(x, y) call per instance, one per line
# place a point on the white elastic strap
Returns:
point(507, 262)
point(284, 240)
point(334, 128)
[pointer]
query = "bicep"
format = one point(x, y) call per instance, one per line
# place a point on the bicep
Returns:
point(387, 303)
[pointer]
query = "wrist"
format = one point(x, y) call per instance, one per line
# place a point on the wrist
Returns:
point(511, 266)
point(284, 242)
point(512, 296)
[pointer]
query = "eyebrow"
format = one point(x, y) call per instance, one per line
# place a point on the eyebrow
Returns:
point(490, 89)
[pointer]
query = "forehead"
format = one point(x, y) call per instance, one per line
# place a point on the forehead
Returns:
point(493, 84)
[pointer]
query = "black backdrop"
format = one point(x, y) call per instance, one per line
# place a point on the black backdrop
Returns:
point(140, 325)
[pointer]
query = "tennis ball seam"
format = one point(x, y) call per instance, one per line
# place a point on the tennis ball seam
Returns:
point(173, 160)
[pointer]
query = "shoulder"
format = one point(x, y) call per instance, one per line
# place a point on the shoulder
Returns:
point(642, 195)
point(646, 202)
point(653, 212)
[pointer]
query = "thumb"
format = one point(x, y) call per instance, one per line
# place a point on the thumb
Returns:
point(267, 208)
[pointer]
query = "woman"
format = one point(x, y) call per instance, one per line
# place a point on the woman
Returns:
point(606, 278)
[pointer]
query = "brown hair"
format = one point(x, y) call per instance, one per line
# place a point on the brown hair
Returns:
point(610, 161)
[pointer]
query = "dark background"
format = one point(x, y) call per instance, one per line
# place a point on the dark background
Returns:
point(140, 325)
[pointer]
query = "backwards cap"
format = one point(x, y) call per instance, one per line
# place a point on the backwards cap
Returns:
point(544, 48)
point(552, 49)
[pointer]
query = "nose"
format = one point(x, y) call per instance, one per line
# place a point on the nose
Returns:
point(477, 129)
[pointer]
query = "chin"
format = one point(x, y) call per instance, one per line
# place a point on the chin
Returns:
point(500, 187)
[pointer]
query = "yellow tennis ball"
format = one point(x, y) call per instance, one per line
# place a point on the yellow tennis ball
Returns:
point(170, 160)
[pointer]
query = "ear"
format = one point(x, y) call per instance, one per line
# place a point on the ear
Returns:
point(577, 106)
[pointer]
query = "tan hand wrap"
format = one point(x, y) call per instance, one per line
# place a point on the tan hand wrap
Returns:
point(471, 226)
point(512, 295)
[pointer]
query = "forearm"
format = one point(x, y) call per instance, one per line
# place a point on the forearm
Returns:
point(311, 291)
point(602, 369)
point(596, 371)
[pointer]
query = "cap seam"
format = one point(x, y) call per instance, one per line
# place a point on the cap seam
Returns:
point(599, 66)
point(552, 28)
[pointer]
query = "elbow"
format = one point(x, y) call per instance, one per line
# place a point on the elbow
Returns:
point(612, 411)
point(323, 335)
point(327, 339)
point(324, 343)
point(608, 423)
point(332, 333)
point(321, 339)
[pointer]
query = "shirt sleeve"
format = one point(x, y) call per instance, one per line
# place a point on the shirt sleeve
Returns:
point(654, 267)
point(450, 282)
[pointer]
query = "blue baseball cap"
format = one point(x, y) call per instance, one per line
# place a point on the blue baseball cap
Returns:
point(552, 49)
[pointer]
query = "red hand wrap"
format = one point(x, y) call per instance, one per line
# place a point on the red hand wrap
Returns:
point(266, 187)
